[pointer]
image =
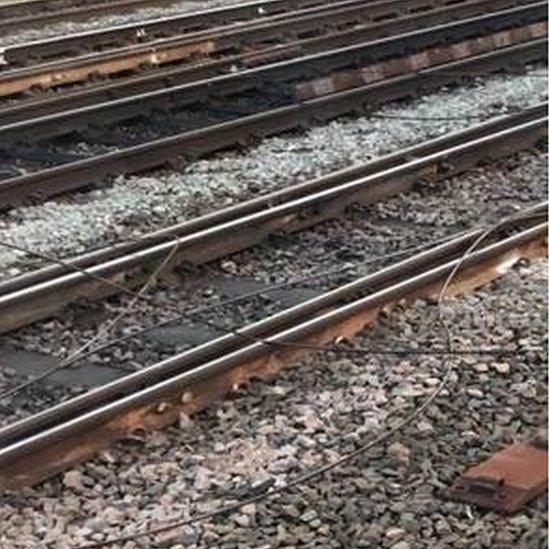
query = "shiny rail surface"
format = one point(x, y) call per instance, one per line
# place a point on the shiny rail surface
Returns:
point(370, 89)
point(44, 293)
point(42, 445)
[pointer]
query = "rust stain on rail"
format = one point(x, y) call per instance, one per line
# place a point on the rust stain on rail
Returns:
point(59, 456)
point(344, 80)
point(18, 83)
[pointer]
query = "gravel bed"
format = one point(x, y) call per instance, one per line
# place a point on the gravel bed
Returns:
point(480, 196)
point(135, 205)
point(104, 21)
point(325, 407)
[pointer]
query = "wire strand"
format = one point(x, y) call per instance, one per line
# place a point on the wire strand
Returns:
point(79, 354)
point(195, 315)
point(447, 367)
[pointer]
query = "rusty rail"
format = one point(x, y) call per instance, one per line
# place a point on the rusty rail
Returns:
point(224, 49)
point(191, 145)
point(228, 44)
point(370, 61)
point(48, 291)
point(42, 445)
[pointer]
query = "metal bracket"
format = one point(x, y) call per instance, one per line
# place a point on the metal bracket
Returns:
point(505, 482)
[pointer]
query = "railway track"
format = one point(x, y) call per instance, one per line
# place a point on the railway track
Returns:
point(135, 33)
point(38, 13)
point(304, 97)
point(276, 38)
point(44, 444)
point(242, 49)
point(155, 353)
point(46, 292)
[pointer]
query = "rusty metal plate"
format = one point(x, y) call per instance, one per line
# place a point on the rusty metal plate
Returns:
point(505, 482)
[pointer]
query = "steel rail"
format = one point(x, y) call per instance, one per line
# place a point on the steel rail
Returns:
point(353, 11)
point(41, 294)
point(44, 444)
point(53, 75)
point(133, 33)
point(491, 127)
point(35, 13)
point(191, 145)
point(249, 43)
point(367, 49)
point(283, 76)
point(454, 139)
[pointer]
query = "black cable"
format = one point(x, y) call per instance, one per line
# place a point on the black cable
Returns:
point(231, 331)
point(64, 363)
point(320, 471)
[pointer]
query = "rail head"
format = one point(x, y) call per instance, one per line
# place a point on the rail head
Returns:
point(31, 459)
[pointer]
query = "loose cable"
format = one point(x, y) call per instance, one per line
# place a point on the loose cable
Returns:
point(320, 471)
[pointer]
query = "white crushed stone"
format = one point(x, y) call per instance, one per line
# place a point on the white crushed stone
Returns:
point(134, 205)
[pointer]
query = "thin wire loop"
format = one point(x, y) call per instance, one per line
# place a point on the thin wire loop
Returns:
point(447, 366)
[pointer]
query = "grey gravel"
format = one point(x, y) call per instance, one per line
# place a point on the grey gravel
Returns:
point(482, 195)
point(136, 205)
point(336, 403)
point(329, 404)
